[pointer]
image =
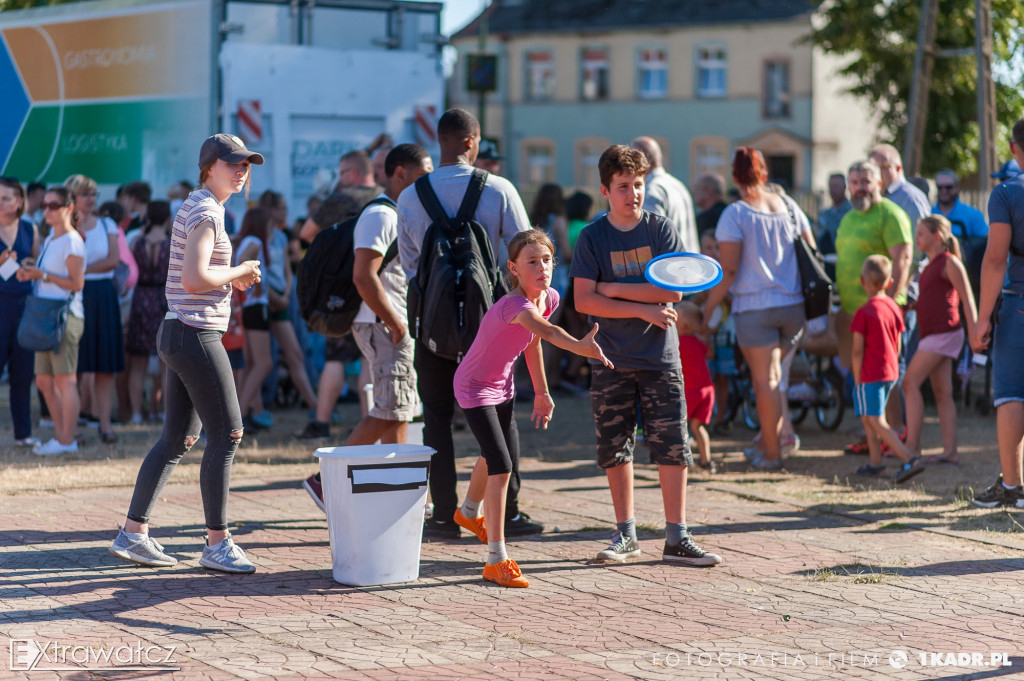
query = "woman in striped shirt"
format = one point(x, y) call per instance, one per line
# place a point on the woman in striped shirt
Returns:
point(199, 389)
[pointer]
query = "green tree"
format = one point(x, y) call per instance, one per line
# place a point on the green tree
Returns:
point(26, 4)
point(881, 36)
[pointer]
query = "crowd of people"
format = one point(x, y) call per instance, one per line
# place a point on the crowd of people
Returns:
point(174, 292)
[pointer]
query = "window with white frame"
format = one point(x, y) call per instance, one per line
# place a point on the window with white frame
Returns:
point(588, 153)
point(711, 71)
point(652, 77)
point(538, 162)
point(540, 75)
point(594, 73)
point(776, 89)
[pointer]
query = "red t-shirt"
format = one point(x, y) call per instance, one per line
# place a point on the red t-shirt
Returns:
point(938, 303)
point(880, 321)
point(697, 386)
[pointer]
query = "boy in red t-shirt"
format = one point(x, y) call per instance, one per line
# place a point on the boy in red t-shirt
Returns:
point(698, 389)
point(876, 328)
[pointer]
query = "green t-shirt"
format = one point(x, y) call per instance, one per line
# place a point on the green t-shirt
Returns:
point(574, 228)
point(863, 234)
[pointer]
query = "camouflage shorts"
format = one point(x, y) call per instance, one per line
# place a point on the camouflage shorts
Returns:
point(614, 394)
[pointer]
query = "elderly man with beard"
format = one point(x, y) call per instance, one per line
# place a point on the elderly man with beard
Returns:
point(875, 226)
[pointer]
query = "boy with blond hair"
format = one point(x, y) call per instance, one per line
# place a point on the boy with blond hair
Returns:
point(638, 334)
point(876, 329)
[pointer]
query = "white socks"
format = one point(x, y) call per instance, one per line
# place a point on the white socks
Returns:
point(496, 552)
point(471, 509)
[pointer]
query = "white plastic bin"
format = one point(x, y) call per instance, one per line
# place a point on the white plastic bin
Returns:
point(375, 496)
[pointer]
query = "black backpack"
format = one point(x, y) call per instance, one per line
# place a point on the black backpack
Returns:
point(328, 299)
point(457, 280)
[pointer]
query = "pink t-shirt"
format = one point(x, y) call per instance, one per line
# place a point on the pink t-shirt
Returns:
point(484, 376)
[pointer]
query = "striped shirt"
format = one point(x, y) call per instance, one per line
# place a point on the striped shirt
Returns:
point(210, 309)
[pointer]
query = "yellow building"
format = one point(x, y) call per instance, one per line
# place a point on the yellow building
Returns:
point(700, 77)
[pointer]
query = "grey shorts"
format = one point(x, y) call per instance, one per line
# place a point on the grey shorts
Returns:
point(781, 326)
point(614, 394)
point(391, 369)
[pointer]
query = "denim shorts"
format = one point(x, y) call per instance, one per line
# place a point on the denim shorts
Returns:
point(1008, 351)
point(869, 399)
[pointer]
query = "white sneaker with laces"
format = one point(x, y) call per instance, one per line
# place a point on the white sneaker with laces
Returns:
point(226, 556)
point(50, 448)
point(144, 552)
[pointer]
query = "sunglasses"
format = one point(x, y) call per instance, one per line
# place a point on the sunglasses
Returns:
point(54, 205)
point(940, 187)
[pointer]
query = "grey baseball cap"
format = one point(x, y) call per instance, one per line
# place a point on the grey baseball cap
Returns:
point(227, 147)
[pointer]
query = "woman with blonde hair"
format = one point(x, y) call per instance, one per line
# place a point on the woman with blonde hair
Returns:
point(199, 390)
point(101, 351)
point(943, 287)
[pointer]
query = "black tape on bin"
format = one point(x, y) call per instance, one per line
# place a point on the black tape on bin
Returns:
point(370, 487)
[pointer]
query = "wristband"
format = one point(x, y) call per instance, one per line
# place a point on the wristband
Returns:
point(46, 278)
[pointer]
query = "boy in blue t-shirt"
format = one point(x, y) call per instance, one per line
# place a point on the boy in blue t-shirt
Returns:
point(638, 334)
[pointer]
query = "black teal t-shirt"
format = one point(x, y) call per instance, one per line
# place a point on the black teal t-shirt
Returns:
point(604, 253)
point(1006, 205)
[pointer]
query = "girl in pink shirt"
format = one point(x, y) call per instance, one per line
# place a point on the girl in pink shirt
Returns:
point(484, 389)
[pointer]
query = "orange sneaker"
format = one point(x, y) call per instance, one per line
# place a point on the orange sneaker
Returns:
point(474, 525)
point(505, 573)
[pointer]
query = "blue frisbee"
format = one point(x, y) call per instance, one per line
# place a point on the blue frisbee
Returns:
point(685, 272)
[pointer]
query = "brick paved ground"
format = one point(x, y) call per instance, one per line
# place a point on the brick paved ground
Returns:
point(801, 595)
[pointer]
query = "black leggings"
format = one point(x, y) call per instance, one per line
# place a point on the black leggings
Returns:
point(496, 432)
point(198, 391)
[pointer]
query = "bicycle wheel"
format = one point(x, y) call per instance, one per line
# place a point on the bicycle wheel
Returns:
point(830, 406)
point(797, 412)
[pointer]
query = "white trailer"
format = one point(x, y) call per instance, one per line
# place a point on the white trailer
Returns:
point(127, 89)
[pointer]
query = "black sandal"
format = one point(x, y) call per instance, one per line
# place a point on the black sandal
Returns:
point(108, 438)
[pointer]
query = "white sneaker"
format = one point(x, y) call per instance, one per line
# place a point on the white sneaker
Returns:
point(50, 448)
point(226, 556)
point(27, 442)
point(146, 551)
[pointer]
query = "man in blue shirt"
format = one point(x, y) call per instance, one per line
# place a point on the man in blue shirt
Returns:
point(967, 221)
point(828, 220)
point(968, 224)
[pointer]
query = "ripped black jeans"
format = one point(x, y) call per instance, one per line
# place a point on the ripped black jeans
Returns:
point(198, 390)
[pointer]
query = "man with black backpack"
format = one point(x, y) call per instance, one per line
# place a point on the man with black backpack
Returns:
point(450, 261)
point(379, 326)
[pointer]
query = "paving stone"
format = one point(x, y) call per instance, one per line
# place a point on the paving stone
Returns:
point(801, 595)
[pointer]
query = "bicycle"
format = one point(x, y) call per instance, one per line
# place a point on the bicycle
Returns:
point(825, 399)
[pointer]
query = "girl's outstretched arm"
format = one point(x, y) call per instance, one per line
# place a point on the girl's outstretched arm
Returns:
point(542, 328)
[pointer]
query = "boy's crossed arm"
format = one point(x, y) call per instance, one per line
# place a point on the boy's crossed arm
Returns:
point(615, 300)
